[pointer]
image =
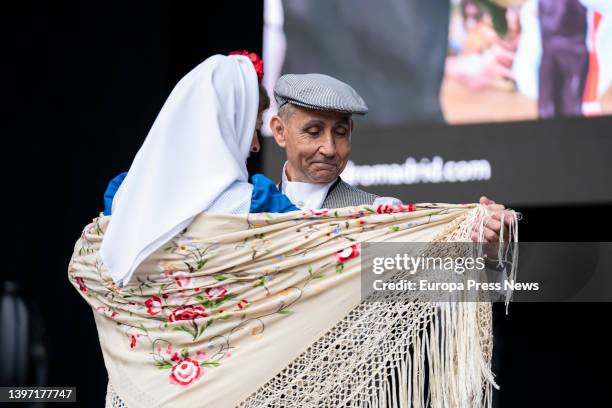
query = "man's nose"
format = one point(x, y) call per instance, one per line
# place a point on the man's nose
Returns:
point(328, 145)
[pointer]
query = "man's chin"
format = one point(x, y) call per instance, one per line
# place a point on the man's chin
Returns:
point(324, 176)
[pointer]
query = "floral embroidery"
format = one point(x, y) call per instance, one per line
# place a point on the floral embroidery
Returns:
point(215, 293)
point(154, 305)
point(183, 280)
point(186, 371)
point(187, 313)
point(344, 255)
point(389, 208)
point(82, 286)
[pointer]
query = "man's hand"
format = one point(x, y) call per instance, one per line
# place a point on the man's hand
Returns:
point(493, 225)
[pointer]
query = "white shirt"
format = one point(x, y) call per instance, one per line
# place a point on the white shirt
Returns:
point(310, 196)
point(305, 196)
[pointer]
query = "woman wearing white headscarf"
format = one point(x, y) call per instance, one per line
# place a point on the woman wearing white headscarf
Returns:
point(193, 160)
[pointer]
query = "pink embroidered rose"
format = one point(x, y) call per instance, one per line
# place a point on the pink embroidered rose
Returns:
point(188, 312)
point(389, 208)
point(215, 293)
point(185, 372)
point(243, 304)
point(318, 212)
point(154, 305)
point(82, 286)
point(182, 279)
point(347, 253)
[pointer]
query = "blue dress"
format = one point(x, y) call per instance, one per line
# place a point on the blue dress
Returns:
point(264, 198)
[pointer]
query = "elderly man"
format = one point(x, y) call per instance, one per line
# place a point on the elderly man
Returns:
point(314, 126)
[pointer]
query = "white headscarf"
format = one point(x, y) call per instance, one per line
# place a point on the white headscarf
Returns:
point(195, 151)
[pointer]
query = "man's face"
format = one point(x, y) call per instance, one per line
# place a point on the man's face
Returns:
point(317, 143)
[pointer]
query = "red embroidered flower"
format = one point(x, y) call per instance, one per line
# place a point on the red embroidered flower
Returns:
point(188, 312)
point(347, 253)
point(174, 357)
point(388, 208)
point(82, 286)
point(215, 293)
point(154, 305)
point(185, 372)
point(318, 212)
point(384, 209)
point(257, 62)
point(243, 304)
point(132, 341)
point(182, 279)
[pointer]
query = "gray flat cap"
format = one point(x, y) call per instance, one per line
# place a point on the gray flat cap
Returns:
point(320, 92)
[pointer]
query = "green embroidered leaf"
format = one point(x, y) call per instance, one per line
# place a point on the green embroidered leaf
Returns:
point(260, 282)
point(200, 298)
point(339, 267)
point(163, 365)
point(184, 353)
point(220, 278)
point(394, 228)
point(186, 330)
point(204, 327)
point(218, 302)
point(285, 311)
point(318, 275)
point(211, 364)
point(224, 317)
point(201, 263)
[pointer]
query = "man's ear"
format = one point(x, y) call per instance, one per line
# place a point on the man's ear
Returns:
point(278, 130)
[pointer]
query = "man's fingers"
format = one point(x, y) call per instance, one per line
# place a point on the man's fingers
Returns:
point(508, 217)
point(494, 225)
point(496, 207)
point(490, 235)
point(485, 201)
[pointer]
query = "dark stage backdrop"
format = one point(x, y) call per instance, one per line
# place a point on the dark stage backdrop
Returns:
point(84, 87)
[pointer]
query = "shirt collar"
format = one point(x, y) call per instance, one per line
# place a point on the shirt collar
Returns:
point(306, 196)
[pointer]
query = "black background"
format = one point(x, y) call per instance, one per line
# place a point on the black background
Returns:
point(84, 87)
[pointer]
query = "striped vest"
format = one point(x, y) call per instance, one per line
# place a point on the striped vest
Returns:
point(342, 194)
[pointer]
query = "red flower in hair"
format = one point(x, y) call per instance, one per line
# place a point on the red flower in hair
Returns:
point(257, 62)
